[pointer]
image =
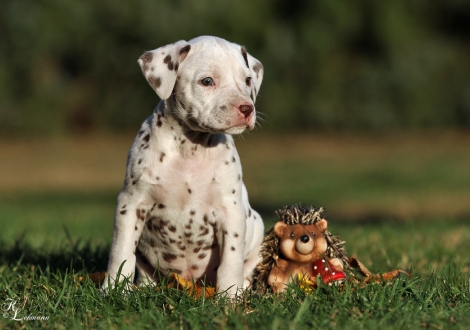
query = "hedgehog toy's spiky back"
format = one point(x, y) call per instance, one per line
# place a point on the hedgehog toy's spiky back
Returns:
point(292, 215)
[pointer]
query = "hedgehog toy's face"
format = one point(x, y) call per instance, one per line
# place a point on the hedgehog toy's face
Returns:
point(302, 243)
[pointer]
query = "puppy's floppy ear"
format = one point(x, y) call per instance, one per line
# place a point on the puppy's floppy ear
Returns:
point(257, 72)
point(160, 66)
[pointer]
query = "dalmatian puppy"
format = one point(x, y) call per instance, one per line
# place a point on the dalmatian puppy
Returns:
point(184, 208)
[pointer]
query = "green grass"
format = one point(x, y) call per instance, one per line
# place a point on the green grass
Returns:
point(37, 270)
point(409, 197)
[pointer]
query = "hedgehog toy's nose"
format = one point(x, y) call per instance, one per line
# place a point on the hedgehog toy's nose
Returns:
point(304, 238)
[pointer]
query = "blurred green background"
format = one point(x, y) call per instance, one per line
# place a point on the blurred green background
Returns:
point(367, 106)
point(70, 66)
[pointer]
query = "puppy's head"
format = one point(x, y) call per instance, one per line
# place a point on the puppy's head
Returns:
point(210, 84)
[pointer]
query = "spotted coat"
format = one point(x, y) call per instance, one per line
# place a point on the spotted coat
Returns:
point(184, 208)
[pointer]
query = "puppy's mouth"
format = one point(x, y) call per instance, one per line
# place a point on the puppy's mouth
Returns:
point(236, 128)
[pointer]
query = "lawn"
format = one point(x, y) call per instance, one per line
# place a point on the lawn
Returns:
point(400, 201)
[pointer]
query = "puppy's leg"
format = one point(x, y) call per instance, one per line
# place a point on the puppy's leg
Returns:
point(128, 224)
point(255, 228)
point(231, 239)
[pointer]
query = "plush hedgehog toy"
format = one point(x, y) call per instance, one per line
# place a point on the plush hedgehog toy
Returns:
point(300, 245)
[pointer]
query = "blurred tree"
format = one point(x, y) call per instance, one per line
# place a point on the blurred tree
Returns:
point(70, 66)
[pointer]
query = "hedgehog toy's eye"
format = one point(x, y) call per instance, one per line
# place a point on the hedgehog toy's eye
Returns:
point(313, 234)
point(248, 81)
point(292, 235)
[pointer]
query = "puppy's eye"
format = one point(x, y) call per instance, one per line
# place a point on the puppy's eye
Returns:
point(207, 81)
point(313, 234)
point(292, 235)
point(248, 81)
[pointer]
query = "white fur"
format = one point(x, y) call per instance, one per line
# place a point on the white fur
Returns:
point(184, 207)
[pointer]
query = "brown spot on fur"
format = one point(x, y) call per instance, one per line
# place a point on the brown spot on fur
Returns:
point(189, 191)
point(202, 256)
point(172, 229)
point(234, 191)
point(124, 206)
point(160, 206)
point(169, 257)
point(167, 59)
point(205, 232)
point(176, 66)
point(162, 155)
point(182, 247)
point(185, 49)
point(188, 234)
point(146, 138)
point(200, 242)
point(245, 56)
point(134, 182)
point(140, 214)
point(192, 212)
point(123, 212)
point(159, 123)
point(205, 218)
point(194, 267)
point(235, 235)
point(146, 57)
point(153, 207)
point(170, 66)
point(257, 67)
point(140, 161)
point(232, 248)
point(155, 82)
point(152, 243)
point(196, 250)
point(136, 228)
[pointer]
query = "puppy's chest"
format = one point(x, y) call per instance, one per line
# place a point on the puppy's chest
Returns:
point(179, 176)
point(193, 195)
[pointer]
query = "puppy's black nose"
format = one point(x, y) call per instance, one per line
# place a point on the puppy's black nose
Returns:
point(304, 238)
point(246, 109)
